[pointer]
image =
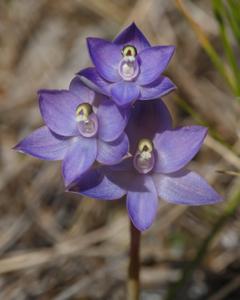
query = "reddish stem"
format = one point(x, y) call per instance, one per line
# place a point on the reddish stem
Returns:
point(134, 264)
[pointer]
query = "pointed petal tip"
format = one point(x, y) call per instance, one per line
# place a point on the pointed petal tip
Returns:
point(43, 144)
point(71, 187)
point(173, 88)
point(50, 91)
point(186, 188)
point(157, 89)
point(18, 148)
point(201, 129)
point(217, 198)
point(90, 39)
point(139, 227)
point(15, 148)
point(132, 35)
point(171, 49)
point(68, 186)
point(41, 92)
point(133, 25)
point(196, 129)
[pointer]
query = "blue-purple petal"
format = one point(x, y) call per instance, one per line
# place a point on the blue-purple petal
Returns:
point(153, 62)
point(58, 109)
point(185, 187)
point(158, 88)
point(126, 177)
point(112, 120)
point(44, 144)
point(124, 93)
point(110, 153)
point(94, 81)
point(132, 36)
point(142, 205)
point(79, 158)
point(175, 148)
point(95, 184)
point(146, 120)
point(84, 93)
point(106, 57)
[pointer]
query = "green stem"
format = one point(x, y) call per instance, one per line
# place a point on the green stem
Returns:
point(134, 264)
point(180, 287)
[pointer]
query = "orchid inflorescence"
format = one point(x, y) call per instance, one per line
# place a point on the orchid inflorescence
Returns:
point(114, 134)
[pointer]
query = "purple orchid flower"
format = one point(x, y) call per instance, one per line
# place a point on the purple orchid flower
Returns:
point(81, 127)
point(156, 168)
point(128, 69)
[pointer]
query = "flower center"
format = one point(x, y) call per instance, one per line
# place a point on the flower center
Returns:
point(129, 67)
point(144, 159)
point(87, 121)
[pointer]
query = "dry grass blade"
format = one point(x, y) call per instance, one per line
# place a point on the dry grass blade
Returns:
point(204, 41)
point(71, 248)
point(223, 151)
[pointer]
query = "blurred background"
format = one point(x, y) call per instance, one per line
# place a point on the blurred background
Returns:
point(54, 245)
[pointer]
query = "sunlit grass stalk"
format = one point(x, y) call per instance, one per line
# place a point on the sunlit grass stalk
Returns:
point(180, 287)
point(188, 109)
point(235, 9)
point(220, 14)
point(205, 43)
point(233, 21)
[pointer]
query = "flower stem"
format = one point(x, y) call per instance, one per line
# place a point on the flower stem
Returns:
point(134, 264)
